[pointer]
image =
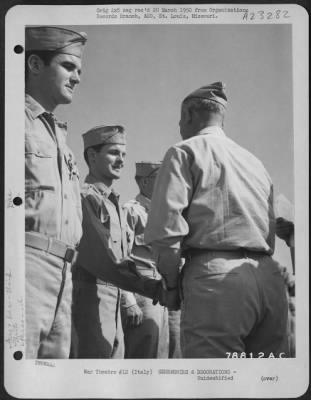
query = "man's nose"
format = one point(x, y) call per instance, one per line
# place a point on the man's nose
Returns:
point(75, 77)
point(121, 157)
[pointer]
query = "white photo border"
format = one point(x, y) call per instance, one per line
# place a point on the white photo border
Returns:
point(78, 378)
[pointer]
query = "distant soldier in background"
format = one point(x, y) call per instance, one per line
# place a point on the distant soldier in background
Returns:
point(150, 338)
point(213, 204)
point(52, 194)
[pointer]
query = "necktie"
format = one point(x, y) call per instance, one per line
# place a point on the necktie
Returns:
point(48, 117)
point(50, 120)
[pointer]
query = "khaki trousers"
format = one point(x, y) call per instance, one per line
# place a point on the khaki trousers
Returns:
point(174, 334)
point(149, 339)
point(233, 305)
point(48, 305)
point(97, 321)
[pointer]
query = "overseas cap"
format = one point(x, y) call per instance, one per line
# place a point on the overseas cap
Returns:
point(214, 92)
point(52, 38)
point(145, 169)
point(104, 134)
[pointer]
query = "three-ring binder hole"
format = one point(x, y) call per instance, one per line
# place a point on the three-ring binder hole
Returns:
point(17, 201)
point(18, 355)
point(18, 49)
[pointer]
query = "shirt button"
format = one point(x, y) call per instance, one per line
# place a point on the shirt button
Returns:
point(66, 222)
point(65, 196)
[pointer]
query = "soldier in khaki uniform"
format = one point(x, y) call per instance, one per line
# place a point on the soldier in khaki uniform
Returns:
point(103, 265)
point(150, 338)
point(97, 302)
point(213, 204)
point(52, 194)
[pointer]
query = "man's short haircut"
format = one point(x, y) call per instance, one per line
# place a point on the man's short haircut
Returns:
point(96, 148)
point(45, 55)
point(204, 106)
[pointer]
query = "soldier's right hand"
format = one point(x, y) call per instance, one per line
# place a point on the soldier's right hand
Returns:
point(284, 229)
point(132, 315)
point(167, 297)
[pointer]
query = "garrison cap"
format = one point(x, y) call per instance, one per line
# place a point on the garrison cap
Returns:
point(146, 169)
point(214, 92)
point(104, 134)
point(53, 38)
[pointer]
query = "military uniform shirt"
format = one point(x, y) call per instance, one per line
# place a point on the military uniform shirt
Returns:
point(105, 203)
point(211, 193)
point(52, 192)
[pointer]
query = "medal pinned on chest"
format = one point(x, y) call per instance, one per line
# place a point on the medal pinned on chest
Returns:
point(71, 165)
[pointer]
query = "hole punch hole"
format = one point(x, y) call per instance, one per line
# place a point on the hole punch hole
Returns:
point(17, 201)
point(18, 49)
point(18, 355)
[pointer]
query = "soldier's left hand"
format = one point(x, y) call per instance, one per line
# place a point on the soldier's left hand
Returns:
point(284, 229)
point(132, 315)
point(169, 298)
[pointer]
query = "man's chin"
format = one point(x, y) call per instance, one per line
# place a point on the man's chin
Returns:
point(116, 175)
point(67, 99)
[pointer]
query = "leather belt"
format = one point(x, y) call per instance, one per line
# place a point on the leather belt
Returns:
point(52, 246)
point(192, 252)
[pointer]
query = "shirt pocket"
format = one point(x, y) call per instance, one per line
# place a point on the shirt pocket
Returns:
point(41, 167)
point(35, 145)
point(40, 211)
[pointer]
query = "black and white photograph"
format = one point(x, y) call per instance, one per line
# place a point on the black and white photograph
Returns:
point(156, 201)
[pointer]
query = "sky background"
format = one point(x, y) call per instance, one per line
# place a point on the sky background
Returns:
point(137, 76)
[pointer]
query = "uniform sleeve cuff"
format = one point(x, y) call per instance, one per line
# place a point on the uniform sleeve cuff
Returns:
point(127, 299)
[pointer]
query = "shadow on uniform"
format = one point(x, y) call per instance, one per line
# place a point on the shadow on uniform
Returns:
point(91, 343)
point(238, 310)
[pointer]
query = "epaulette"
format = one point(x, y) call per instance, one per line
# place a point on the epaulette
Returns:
point(87, 189)
point(130, 203)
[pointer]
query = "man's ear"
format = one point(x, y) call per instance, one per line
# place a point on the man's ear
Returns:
point(90, 155)
point(35, 64)
point(187, 115)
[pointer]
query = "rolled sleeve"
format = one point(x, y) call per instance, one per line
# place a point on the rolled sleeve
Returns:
point(127, 299)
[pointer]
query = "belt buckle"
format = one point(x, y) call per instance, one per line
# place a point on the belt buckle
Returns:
point(70, 255)
point(245, 252)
